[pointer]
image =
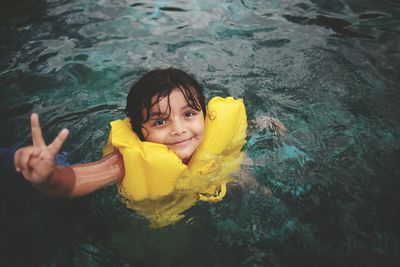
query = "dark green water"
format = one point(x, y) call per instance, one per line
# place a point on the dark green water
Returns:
point(328, 69)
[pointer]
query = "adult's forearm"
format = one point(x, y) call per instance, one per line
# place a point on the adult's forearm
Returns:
point(83, 179)
point(96, 175)
point(60, 184)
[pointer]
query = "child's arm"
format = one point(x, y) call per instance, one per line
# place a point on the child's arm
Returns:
point(269, 122)
point(36, 163)
point(245, 177)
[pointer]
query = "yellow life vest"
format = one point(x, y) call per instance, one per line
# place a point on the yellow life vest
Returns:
point(159, 186)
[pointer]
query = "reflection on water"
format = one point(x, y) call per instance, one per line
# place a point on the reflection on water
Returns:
point(327, 69)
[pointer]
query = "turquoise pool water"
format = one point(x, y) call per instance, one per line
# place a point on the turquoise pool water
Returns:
point(328, 69)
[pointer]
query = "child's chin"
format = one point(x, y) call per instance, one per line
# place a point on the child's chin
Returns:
point(184, 157)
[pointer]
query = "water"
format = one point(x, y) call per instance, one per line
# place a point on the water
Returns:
point(328, 69)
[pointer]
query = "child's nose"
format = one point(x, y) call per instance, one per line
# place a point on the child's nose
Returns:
point(178, 128)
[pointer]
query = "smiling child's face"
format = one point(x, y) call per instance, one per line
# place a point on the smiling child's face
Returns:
point(175, 124)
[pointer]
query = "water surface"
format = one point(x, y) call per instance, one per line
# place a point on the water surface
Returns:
point(328, 69)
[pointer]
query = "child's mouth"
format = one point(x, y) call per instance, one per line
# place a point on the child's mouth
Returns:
point(181, 143)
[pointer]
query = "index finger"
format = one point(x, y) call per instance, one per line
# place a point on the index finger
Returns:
point(37, 137)
point(57, 143)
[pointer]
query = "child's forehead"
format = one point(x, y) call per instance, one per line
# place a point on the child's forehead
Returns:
point(175, 97)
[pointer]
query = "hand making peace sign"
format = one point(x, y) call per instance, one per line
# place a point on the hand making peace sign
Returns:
point(37, 162)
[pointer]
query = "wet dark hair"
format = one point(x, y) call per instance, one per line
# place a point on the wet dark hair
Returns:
point(160, 83)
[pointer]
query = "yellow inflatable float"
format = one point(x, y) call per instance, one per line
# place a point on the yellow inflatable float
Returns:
point(159, 186)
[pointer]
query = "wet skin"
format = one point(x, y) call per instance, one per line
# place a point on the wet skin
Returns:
point(175, 124)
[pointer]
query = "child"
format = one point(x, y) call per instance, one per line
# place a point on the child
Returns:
point(165, 106)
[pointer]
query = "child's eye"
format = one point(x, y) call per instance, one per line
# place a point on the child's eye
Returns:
point(189, 114)
point(159, 122)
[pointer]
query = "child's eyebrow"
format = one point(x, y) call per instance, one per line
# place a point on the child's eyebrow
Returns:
point(185, 107)
point(189, 106)
point(156, 114)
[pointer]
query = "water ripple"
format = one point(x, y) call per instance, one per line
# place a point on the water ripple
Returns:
point(327, 69)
